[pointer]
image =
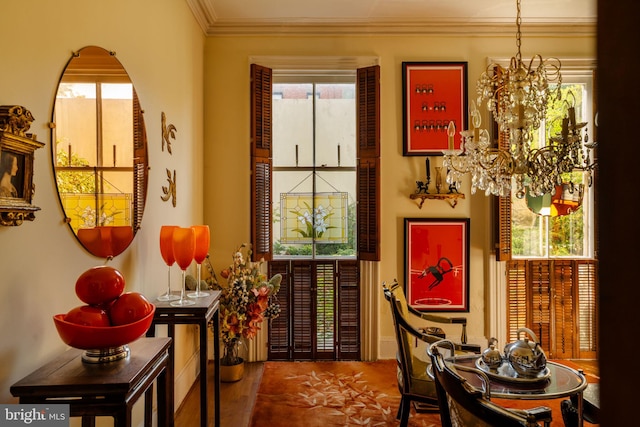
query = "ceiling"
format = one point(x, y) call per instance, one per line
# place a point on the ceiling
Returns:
point(352, 15)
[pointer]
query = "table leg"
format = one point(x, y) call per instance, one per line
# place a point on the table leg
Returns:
point(580, 410)
point(148, 407)
point(204, 402)
point(171, 332)
point(165, 417)
point(216, 365)
point(88, 421)
point(122, 418)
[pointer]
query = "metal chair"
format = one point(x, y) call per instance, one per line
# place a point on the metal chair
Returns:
point(414, 384)
point(463, 405)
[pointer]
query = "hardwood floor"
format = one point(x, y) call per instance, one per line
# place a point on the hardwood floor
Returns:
point(237, 399)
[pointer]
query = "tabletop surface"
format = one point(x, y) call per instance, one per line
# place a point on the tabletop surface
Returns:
point(68, 375)
point(562, 381)
point(202, 304)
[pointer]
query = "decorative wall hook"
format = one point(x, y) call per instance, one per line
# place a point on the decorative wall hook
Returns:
point(170, 190)
point(168, 133)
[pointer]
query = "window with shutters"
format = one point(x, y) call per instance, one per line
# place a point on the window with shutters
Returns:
point(551, 266)
point(322, 158)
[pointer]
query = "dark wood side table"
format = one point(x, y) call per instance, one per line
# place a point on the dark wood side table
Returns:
point(103, 389)
point(201, 313)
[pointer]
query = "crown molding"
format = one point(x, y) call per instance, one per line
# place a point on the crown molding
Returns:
point(212, 26)
point(436, 28)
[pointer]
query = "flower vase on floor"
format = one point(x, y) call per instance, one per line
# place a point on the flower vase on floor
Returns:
point(246, 300)
point(231, 364)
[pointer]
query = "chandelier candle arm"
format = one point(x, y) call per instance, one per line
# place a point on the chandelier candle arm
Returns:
point(451, 132)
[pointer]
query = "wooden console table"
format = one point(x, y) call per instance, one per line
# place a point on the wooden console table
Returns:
point(201, 313)
point(103, 389)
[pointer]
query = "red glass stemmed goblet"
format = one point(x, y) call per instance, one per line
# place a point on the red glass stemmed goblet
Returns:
point(203, 239)
point(184, 247)
point(166, 250)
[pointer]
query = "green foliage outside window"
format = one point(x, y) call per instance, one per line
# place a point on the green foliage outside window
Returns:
point(562, 236)
point(81, 182)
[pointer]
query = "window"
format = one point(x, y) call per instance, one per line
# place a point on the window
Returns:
point(315, 149)
point(551, 271)
point(548, 236)
point(314, 166)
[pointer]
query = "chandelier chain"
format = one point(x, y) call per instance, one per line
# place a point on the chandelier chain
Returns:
point(518, 33)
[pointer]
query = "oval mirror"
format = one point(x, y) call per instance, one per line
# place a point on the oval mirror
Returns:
point(99, 146)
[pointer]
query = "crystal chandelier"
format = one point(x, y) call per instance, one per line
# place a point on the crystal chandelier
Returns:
point(518, 97)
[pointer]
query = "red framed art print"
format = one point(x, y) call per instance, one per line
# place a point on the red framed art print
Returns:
point(434, 94)
point(437, 264)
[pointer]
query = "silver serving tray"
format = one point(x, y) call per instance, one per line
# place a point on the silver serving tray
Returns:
point(506, 373)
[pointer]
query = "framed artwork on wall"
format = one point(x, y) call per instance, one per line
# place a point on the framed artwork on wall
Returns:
point(16, 165)
point(434, 94)
point(436, 258)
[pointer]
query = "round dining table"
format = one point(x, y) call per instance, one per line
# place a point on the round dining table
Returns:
point(556, 381)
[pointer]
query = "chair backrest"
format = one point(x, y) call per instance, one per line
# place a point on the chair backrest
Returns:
point(408, 311)
point(405, 336)
point(404, 356)
point(463, 405)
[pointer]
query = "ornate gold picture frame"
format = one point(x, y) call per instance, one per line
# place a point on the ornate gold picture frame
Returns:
point(16, 165)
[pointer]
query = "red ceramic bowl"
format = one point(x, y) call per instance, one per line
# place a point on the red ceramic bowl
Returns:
point(101, 337)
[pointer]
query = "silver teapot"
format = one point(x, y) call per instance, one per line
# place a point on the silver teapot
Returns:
point(526, 357)
point(491, 355)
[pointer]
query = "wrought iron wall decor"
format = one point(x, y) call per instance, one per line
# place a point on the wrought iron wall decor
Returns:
point(168, 133)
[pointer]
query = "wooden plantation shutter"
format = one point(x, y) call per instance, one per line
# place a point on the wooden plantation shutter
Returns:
point(261, 167)
point(140, 162)
point(564, 299)
point(502, 204)
point(539, 279)
point(587, 318)
point(279, 334)
point(503, 211)
point(348, 311)
point(320, 311)
point(517, 300)
point(503, 228)
point(368, 161)
point(556, 299)
point(326, 307)
point(302, 310)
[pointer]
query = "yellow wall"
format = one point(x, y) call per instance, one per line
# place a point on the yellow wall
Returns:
point(226, 161)
point(160, 44)
point(203, 87)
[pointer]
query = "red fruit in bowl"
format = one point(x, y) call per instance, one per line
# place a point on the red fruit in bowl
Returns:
point(99, 285)
point(128, 308)
point(88, 316)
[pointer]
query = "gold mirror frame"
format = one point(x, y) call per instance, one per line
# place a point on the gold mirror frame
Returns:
point(101, 172)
